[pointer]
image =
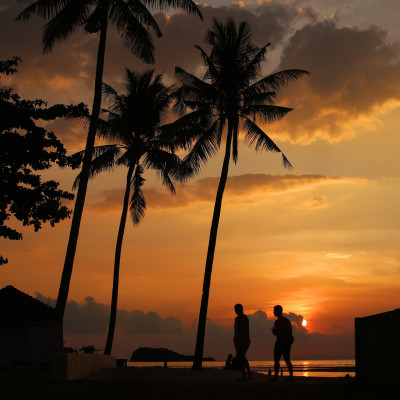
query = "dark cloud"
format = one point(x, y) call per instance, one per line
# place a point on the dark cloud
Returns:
point(139, 322)
point(91, 317)
point(354, 73)
point(307, 344)
point(203, 190)
point(86, 317)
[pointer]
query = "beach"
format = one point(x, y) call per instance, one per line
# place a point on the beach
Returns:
point(176, 383)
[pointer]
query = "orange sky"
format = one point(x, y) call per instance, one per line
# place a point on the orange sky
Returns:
point(321, 239)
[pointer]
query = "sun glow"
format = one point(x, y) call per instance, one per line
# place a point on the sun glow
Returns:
point(304, 322)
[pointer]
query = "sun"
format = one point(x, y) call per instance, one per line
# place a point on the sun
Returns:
point(304, 322)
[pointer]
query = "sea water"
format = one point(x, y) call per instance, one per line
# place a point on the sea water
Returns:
point(308, 368)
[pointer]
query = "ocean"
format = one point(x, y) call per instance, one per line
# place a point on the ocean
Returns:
point(311, 368)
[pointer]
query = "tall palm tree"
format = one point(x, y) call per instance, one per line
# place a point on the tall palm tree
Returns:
point(135, 123)
point(130, 18)
point(229, 99)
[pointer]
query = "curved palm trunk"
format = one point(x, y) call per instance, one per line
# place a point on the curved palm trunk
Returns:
point(201, 329)
point(80, 197)
point(117, 260)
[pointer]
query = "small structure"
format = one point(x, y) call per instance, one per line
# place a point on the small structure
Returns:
point(29, 334)
point(377, 348)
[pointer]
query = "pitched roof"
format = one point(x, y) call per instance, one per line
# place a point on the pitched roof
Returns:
point(17, 304)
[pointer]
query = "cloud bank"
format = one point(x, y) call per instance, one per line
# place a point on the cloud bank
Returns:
point(91, 318)
point(238, 187)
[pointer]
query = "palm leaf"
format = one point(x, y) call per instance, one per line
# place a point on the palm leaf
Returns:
point(257, 138)
point(265, 112)
point(278, 80)
point(205, 147)
point(104, 158)
point(42, 8)
point(134, 35)
point(137, 204)
point(186, 5)
point(67, 21)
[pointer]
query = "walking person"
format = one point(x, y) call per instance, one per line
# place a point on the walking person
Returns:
point(241, 340)
point(282, 329)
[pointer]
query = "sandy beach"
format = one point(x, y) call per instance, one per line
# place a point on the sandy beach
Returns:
point(174, 383)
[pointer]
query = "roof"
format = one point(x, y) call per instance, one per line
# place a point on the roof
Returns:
point(17, 304)
point(381, 316)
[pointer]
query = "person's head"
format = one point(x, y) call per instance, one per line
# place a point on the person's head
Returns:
point(238, 309)
point(278, 311)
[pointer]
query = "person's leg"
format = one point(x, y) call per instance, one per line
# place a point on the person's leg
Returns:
point(286, 357)
point(277, 357)
point(240, 355)
point(246, 361)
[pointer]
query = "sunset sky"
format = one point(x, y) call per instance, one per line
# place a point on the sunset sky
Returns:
point(321, 239)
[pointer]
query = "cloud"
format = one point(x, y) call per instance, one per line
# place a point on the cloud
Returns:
point(219, 342)
point(355, 77)
point(338, 256)
point(139, 322)
point(91, 317)
point(316, 202)
point(355, 71)
point(240, 186)
point(89, 321)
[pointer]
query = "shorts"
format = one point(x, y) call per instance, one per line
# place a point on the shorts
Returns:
point(241, 349)
point(282, 349)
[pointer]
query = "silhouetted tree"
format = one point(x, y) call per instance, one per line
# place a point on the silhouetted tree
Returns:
point(229, 99)
point(25, 148)
point(135, 124)
point(90, 349)
point(130, 18)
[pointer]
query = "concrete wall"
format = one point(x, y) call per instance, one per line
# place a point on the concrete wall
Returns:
point(377, 348)
point(70, 366)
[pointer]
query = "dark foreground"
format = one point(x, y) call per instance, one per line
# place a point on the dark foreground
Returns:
point(169, 383)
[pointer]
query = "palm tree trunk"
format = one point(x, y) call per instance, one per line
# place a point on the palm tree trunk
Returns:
point(201, 329)
point(117, 260)
point(83, 183)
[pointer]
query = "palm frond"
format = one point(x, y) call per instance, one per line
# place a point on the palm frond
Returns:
point(278, 80)
point(104, 158)
point(42, 8)
point(255, 97)
point(259, 140)
point(68, 20)
point(137, 204)
point(235, 140)
point(139, 10)
point(134, 35)
point(205, 147)
point(186, 5)
point(185, 130)
point(265, 112)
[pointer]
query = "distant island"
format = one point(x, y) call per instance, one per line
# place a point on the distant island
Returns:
point(161, 354)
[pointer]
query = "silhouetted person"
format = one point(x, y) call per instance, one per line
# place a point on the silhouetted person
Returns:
point(228, 362)
point(241, 340)
point(235, 364)
point(284, 339)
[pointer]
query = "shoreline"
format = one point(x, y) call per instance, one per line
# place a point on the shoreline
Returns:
point(181, 383)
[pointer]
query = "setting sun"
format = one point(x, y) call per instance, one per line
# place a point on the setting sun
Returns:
point(304, 322)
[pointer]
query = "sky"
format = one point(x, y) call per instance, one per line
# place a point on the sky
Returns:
point(320, 239)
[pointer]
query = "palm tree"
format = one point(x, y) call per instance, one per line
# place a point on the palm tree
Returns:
point(130, 18)
point(135, 123)
point(229, 97)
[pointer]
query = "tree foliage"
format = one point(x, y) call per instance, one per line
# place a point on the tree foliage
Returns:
point(26, 148)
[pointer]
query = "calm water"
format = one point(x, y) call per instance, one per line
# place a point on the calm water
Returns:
point(317, 368)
